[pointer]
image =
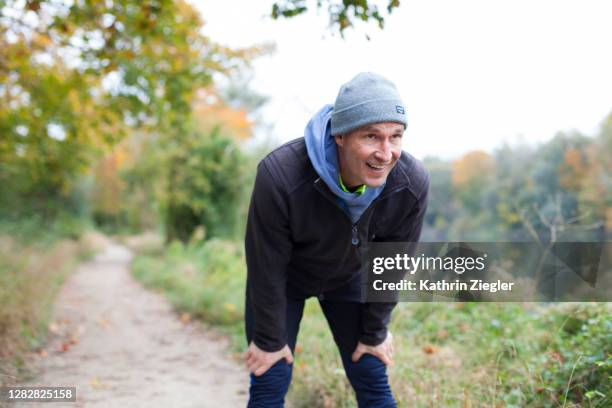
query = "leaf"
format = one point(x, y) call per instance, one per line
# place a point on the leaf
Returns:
point(98, 385)
point(430, 349)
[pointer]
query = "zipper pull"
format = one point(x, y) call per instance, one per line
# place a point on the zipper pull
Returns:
point(355, 236)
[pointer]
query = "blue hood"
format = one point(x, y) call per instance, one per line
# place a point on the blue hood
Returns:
point(323, 154)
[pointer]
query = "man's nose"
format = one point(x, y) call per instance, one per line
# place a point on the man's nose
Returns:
point(385, 152)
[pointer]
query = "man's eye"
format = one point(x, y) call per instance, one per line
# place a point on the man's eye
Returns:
point(371, 136)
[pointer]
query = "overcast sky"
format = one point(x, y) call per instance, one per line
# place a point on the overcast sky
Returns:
point(472, 73)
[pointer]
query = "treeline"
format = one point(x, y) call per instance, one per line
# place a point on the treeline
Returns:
point(558, 191)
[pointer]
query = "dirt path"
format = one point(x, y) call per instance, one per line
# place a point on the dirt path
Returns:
point(122, 346)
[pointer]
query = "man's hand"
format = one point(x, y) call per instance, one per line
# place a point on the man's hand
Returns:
point(383, 351)
point(259, 361)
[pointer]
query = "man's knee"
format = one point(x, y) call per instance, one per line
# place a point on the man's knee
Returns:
point(270, 388)
point(369, 379)
point(368, 368)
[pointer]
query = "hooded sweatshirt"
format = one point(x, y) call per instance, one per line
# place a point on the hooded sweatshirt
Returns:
point(323, 154)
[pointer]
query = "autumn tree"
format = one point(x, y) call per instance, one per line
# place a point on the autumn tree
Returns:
point(197, 180)
point(471, 175)
point(595, 184)
point(76, 77)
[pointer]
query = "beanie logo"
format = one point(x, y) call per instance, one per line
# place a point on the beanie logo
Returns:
point(399, 109)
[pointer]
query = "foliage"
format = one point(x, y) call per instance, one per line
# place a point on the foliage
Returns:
point(342, 14)
point(441, 208)
point(75, 77)
point(196, 179)
point(578, 363)
point(558, 190)
point(473, 173)
point(595, 187)
point(204, 176)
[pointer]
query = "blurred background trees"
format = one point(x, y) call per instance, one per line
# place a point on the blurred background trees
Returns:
point(500, 197)
point(109, 110)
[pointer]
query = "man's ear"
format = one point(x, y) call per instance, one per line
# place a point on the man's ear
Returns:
point(339, 140)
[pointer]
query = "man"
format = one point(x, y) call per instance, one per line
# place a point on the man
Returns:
point(317, 201)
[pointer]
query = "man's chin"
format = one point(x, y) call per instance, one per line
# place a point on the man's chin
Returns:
point(375, 183)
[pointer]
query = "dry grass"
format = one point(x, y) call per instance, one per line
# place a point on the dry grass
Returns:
point(30, 276)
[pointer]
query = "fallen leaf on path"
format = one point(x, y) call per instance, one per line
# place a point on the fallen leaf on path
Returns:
point(185, 318)
point(103, 323)
point(429, 349)
point(99, 385)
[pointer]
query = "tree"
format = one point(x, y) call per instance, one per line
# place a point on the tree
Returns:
point(441, 208)
point(342, 14)
point(76, 77)
point(595, 193)
point(472, 174)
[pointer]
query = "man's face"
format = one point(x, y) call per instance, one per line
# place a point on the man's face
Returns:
point(367, 155)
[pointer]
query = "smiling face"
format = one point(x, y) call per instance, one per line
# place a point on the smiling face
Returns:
point(367, 155)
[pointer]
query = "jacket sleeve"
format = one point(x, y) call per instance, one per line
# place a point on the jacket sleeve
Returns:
point(376, 315)
point(268, 251)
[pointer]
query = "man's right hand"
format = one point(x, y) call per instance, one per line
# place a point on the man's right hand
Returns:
point(259, 361)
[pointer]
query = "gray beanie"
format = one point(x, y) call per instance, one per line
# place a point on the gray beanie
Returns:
point(367, 98)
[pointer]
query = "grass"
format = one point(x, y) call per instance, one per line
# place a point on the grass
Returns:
point(447, 354)
point(31, 273)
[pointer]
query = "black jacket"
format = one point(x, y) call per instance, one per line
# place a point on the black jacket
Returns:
point(298, 235)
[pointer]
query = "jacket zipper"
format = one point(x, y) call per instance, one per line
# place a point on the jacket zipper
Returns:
point(355, 235)
point(354, 229)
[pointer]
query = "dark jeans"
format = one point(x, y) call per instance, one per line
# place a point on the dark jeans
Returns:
point(368, 376)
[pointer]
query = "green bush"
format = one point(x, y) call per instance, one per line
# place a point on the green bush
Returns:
point(576, 363)
point(39, 231)
point(206, 177)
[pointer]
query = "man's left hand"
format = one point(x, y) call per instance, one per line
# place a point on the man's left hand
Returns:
point(384, 351)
